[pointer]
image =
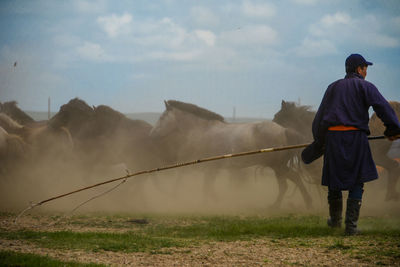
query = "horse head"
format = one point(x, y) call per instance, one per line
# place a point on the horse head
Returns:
point(166, 124)
point(73, 115)
point(183, 116)
point(11, 109)
point(292, 115)
point(286, 114)
point(10, 125)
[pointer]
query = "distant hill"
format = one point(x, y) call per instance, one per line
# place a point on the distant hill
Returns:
point(150, 117)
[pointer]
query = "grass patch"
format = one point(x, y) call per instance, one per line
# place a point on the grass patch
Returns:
point(93, 241)
point(339, 244)
point(379, 241)
point(235, 228)
point(8, 258)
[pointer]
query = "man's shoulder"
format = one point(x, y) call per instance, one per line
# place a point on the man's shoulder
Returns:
point(360, 81)
point(336, 82)
point(366, 84)
point(369, 83)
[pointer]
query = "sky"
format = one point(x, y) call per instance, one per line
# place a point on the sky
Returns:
point(246, 55)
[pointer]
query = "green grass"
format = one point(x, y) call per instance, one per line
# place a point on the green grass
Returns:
point(94, 241)
point(25, 259)
point(380, 238)
point(228, 228)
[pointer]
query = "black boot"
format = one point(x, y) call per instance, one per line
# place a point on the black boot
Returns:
point(335, 212)
point(352, 213)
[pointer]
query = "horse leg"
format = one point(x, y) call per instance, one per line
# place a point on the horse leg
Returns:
point(393, 177)
point(393, 168)
point(296, 179)
point(282, 188)
point(209, 185)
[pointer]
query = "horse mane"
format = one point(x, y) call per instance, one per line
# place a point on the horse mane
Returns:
point(305, 108)
point(78, 104)
point(195, 110)
point(10, 108)
point(11, 103)
point(292, 112)
point(106, 111)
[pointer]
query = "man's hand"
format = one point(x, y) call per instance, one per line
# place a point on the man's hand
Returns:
point(394, 137)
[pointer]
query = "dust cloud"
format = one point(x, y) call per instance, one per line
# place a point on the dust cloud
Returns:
point(182, 190)
point(51, 167)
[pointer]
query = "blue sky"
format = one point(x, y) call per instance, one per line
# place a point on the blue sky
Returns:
point(132, 55)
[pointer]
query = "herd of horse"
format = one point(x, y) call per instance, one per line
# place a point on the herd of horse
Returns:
point(93, 139)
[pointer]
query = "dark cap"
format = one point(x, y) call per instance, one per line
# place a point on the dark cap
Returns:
point(355, 60)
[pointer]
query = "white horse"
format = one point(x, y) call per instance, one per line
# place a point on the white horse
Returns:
point(187, 132)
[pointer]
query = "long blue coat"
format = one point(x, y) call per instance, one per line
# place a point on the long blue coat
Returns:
point(347, 155)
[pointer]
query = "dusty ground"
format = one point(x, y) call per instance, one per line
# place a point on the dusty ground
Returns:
point(259, 252)
point(239, 253)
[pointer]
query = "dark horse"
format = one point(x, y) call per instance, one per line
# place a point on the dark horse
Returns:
point(301, 117)
point(189, 132)
point(105, 136)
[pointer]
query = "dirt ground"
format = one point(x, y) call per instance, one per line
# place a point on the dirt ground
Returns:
point(238, 253)
point(258, 252)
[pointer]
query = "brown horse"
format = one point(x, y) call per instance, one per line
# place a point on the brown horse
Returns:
point(10, 125)
point(12, 150)
point(10, 108)
point(301, 117)
point(105, 136)
point(44, 141)
point(108, 144)
point(188, 132)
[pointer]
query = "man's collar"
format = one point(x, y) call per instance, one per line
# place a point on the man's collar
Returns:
point(353, 75)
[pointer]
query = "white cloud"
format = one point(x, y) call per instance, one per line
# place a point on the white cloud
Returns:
point(203, 16)
point(258, 10)
point(315, 48)
point(92, 6)
point(251, 35)
point(92, 51)
point(380, 40)
point(162, 33)
point(341, 28)
point(114, 25)
point(207, 37)
point(336, 19)
point(330, 22)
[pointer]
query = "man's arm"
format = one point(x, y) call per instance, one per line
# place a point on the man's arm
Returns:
point(384, 112)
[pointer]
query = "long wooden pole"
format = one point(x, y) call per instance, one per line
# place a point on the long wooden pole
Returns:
point(178, 165)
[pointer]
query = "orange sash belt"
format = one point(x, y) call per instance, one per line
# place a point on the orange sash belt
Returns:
point(342, 128)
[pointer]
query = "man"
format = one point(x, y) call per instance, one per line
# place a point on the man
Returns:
point(340, 130)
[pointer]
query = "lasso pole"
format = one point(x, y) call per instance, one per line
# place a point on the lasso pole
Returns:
point(178, 165)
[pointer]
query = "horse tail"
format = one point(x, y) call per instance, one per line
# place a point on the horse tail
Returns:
point(295, 162)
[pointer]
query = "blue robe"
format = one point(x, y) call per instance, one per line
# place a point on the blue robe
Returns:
point(347, 155)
